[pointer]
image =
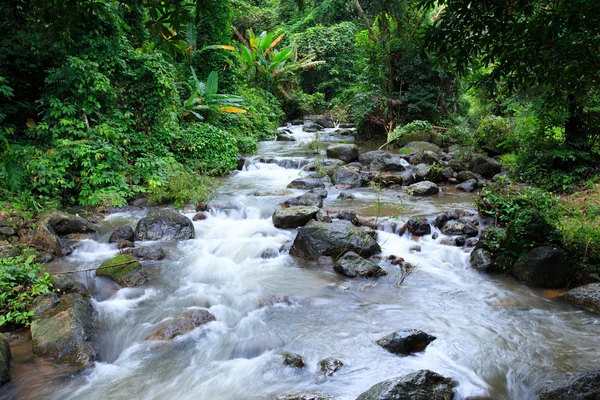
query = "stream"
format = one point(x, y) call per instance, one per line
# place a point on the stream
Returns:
point(496, 337)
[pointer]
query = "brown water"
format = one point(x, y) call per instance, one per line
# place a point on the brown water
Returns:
point(495, 336)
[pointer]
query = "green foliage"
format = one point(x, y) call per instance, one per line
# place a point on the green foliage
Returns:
point(413, 127)
point(494, 135)
point(180, 186)
point(21, 280)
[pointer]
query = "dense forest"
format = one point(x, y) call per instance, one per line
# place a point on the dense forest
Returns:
point(104, 102)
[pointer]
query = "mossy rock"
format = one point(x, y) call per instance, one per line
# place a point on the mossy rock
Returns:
point(124, 269)
point(4, 360)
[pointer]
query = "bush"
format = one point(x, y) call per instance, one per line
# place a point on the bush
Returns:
point(182, 187)
point(21, 280)
point(494, 134)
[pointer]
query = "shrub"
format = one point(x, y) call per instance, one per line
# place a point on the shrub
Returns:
point(494, 134)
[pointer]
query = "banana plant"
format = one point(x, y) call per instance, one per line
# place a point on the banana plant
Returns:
point(204, 97)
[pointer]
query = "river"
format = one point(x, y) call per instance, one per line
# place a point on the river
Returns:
point(496, 337)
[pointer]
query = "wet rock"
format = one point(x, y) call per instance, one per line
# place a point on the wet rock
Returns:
point(147, 253)
point(418, 227)
point(421, 385)
point(5, 357)
point(471, 242)
point(325, 123)
point(407, 341)
point(187, 322)
point(306, 183)
point(43, 303)
point(481, 260)
point(162, 224)
point(240, 162)
point(457, 166)
point(54, 224)
point(310, 126)
point(458, 228)
point(586, 297)
point(318, 239)
point(305, 396)
point(269, 253)
point(65, 283)
point(297, 122)
point(199, 217)
point(122, 233)
point(274, 193)
point(415, 248)
point(369, 157)
point(441, 220)
point(583, 386)
point(64, 332)
point(330, 366)
point(389, 164)
point(124, 269)
point(294, 217)
point(485, 166)
point(320, 191)
point(323, 217)
point(285, 137)
point(424, 157)
point(328, 163)
point(346, 177)
point(353, 265)
point(345, 152)
point(468, 186)
point(346, 196)
point(464, 176)
point(543, 267)
point(293, 360)
point(424, 188)
point(414, 147)
point(307, 199)
point(447, 173)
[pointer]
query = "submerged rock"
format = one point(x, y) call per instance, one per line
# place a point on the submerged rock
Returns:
point(64, 332)
point(187, 322)
point(124, 269)
point(586, 297)
point(162, 224)
point(54, 224)
point(424, 188)
point(305, 396)
point(122, 233)
point(5, 357)
point(407, 341)
point(583, 386)
point(147, 253)
point(345, 152)
point(543, 267)
point(294, 217)
point(353, 265)
point(330, 366)
point(293, 360)
point(421, 385)
point(318, 239)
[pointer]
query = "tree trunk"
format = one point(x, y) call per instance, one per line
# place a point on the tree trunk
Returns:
point(575, 136)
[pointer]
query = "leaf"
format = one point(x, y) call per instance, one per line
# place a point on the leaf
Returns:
point(231, 109)
point(212, 84)
point(217, 46)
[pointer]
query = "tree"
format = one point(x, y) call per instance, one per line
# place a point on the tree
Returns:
point(550, 46)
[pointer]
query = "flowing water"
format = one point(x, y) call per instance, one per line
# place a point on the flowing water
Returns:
point(497, 338)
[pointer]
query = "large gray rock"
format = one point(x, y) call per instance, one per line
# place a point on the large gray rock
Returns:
point(418, 226)
point(306, 199)
point(5, 356)
point(485, 166)
point(464, 176)
point(64, 332)
point(54, 224)
point(370, 156)
point(294, 217)
point(346, 177)
point(187, 322)
point(407, 341)
point(147, 253)
point(481, 260)
point(543, 267)
point(162, 224)
point(421, 385)
point(468, 186)
point(583, 386)
point(124, 269)
point(122, 233)
point(285, 137)
point(318, 239)
point(389, 164)
point(424, 188)
point(586, 297)
point(414, 147)
point(305, 396)
point(459, 228)
point(353, 265)
point(306, 183)
point(345, 152)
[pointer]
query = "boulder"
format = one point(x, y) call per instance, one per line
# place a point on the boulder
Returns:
point(64, 332)
point(447, 173)
point(147, 253)
point(185, 323)
point(424, 188)
point(320, 191)
point(122, 233)
point(306, 183)
point(459, 228)
point(421, 385)
point(294, 217)
point(543, 267)
point(328, 163)
point(285, 137)
point(293, 360)
point(353, 265)
point(325, 123)
point(370, 156)
point(346, 196)
point(54, 224)
point(345, 152)
point(124, 269)
point(457, 166)
point(481, 260)
point(346, 177)
point(586, 297)
point(389, 164)
point(414, 147)
point(307, 199)
point(305, 396)
point(65, 283)
point(407, 341)
point(330, 366)
point(162, 224)
point(5, 356)
point(318, 239)
point(441, 220)
point(485, 166)
point(418, 227)
point(468, 186)
point(582, 386)
point(464, 176)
